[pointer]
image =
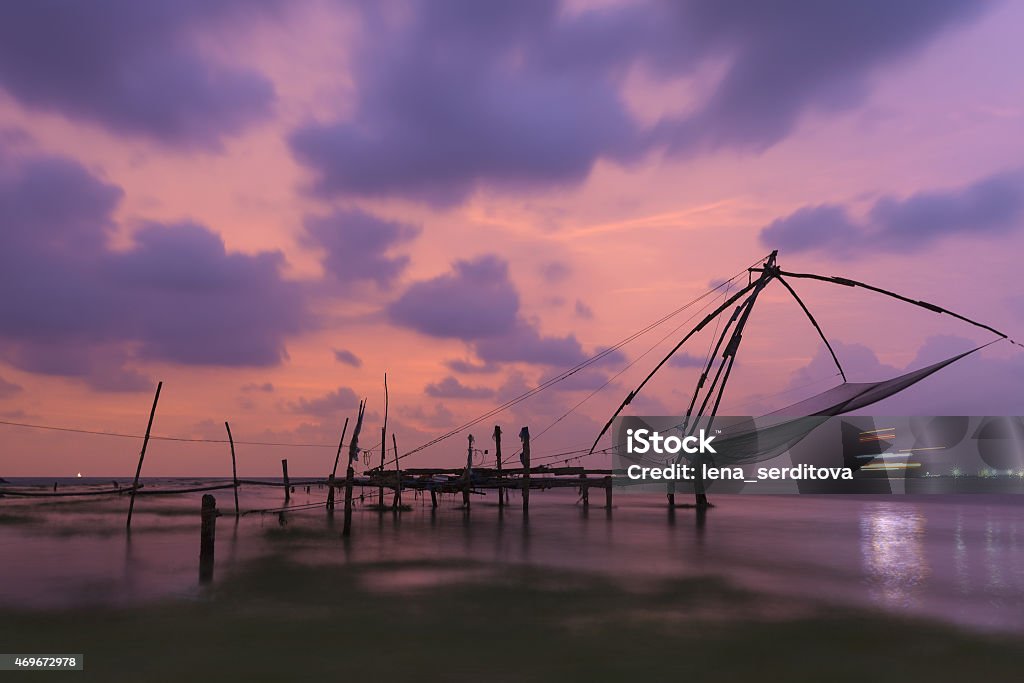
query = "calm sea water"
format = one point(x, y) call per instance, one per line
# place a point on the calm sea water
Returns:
point(958, 558)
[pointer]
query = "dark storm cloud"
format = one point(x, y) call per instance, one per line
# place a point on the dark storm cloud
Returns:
point(76, 306)
point(991, 206)
point(458, 94)
point(131, 67)
point(357, 246)
point(478, 303)
point(450, 387)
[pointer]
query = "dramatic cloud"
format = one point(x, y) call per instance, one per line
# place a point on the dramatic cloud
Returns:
point(477, 303)
point(789, 58)
point(347, 358)
point(813, 227)
point(525, 343)
point(84, 308)
point(330, 405)
point(991, 206)
point(131, 67)
point(450, 387)
point(474, 301)
point(357, 246)
point(455, 94)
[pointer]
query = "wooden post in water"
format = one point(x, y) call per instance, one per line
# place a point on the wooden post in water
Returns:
point(497, 455)
point(353, 454)
point(397, 502)
point(234, 468)
point(585, 491)
point(467, 474)
point(142, 454)
point(524, 434)
point(334, 472)
point(433, 497)
point(383, 444)
point(287, 482)
point(207, 533)
point(608, 493)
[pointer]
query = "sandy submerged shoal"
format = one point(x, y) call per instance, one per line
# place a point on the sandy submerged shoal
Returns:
point(278, 619)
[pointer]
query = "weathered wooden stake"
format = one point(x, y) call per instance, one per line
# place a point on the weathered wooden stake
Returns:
point(383, 444)
point(524, 434)
point(334, 472)
point(497, 455)
point(397, 502)
point(207, 533)
point(234, 468)
point(353, 454)
point(142, 454)
point(287, 482)
point(608, 493)
point(467, 474)
point(433, 498)
point(586, 491)
point(700, 491)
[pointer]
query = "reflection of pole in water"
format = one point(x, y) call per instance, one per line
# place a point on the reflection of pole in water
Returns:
point(892, 552)
point(993, 552)
point(960, 554)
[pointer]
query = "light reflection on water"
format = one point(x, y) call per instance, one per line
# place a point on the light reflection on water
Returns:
point(956, 558)
point(892, 548)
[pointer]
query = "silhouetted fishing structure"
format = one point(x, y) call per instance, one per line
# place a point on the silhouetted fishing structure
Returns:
point(546, 471)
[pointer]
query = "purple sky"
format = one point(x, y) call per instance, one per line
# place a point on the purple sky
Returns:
point(267, 205)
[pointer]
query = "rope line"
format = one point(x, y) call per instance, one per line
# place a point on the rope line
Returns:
point(580, 366)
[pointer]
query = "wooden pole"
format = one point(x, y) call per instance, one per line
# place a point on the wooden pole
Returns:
point(608, 493)
point(585, 490)
point(433, 498)
point(397, 503)
point(383, 444)
point(467, 474)
point(207, 534)
point(287, 483)
point(497, 455)
point(142, 454)
point(234, 468)
point(334, 472)
point(353, 454)
point(524, 434)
